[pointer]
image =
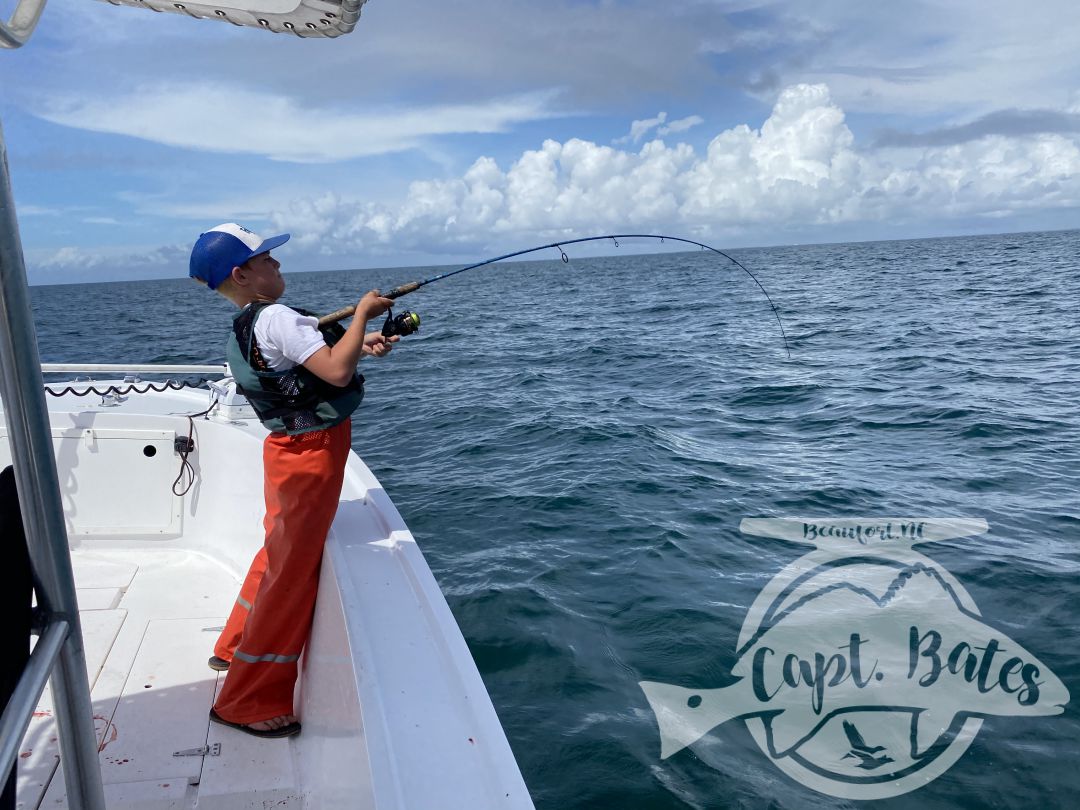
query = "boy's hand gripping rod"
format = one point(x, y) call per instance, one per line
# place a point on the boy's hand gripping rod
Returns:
point(347, 312)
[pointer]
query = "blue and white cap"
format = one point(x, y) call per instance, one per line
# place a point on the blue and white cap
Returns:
point(224, 247)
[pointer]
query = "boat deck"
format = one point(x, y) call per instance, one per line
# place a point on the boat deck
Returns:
point(395, 713)
point(150, 618)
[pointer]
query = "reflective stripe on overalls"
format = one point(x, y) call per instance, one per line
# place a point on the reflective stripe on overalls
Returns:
point(303, 476)
point(234, 627)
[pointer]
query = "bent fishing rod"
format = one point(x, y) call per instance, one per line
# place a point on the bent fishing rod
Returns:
point(408, 322)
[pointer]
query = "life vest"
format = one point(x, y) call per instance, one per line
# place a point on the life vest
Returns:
point(294, 400)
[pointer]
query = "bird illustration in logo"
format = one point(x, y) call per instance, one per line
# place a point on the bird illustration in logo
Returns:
point(863, 752)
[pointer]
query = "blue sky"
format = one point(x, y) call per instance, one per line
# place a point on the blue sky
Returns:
point(447, 132)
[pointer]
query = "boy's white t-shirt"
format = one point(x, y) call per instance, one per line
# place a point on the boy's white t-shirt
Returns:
point(285, 337)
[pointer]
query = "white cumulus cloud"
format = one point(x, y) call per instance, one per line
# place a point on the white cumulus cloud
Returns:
point(801, 168)
point(86, 265)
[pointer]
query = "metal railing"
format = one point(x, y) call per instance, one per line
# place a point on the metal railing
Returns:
point(59, 653)
point(122, 368)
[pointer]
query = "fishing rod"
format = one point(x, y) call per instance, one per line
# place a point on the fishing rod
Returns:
point(409, 322)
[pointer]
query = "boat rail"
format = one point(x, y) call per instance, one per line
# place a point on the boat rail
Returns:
point(123, 369)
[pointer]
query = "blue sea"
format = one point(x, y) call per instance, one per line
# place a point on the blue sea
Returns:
point(574, 446)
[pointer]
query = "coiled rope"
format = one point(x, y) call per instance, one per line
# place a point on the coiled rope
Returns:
point(126, 389)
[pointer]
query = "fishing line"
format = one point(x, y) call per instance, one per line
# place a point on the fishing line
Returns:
point(412, 286)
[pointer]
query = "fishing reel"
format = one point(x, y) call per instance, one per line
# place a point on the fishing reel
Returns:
point(404, 324)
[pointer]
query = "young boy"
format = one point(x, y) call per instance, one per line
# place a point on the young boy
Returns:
point(302, 382)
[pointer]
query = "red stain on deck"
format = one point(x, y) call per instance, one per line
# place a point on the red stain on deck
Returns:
point(110, 736)
point(45, 713)
point(25, 754)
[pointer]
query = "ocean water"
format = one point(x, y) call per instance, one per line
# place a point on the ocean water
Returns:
point(575, 445)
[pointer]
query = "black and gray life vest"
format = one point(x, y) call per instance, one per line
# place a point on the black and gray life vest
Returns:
point(291, 401)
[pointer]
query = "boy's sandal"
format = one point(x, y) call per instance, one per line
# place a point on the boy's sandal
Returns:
point(270, 733)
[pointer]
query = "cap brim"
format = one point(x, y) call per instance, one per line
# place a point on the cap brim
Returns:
point(271, 243)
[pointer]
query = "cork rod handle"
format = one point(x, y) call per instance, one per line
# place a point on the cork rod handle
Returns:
point(347, 312)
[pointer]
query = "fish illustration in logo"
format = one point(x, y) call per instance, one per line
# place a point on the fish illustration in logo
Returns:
point(892, 655)
point(852, 641)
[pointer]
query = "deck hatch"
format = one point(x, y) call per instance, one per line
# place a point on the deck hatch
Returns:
point(99, 468)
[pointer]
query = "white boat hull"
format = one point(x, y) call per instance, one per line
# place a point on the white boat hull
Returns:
point(395, 713)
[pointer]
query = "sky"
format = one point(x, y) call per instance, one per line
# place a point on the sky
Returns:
point(439, 133)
